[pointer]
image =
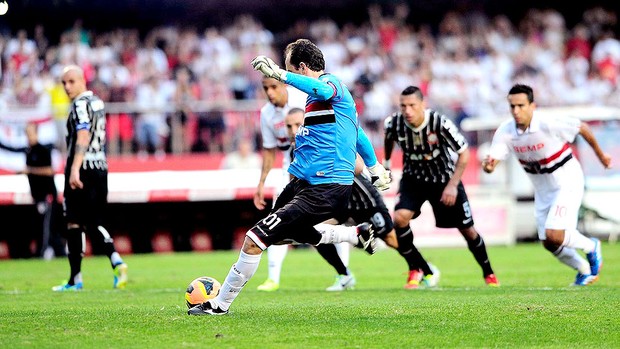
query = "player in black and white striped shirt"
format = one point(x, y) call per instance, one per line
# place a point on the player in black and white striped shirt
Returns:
point(430, 143)
point(86, 180)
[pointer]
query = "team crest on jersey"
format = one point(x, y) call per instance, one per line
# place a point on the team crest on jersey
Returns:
point(417, 139)
point(432, 138)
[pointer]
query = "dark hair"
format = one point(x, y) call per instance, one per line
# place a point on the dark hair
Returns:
point(295, 110)
point(304, 50)
point(520, 88)
point(413, 90)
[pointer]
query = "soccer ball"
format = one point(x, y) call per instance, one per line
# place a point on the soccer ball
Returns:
point(201, 290)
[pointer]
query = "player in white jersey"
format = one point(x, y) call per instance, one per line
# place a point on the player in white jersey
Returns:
point(542, 146)
point(275, 137)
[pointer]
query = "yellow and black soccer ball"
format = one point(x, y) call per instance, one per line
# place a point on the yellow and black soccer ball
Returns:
point(201, 290)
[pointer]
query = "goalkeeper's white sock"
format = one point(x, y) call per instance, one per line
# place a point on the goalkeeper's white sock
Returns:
point(237, 277)
point(275, 257)
point(574, 239)
point(573, 259)
point(333, 234)
point(344, 249)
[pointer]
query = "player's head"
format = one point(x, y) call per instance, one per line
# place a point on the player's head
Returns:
point(412, 105)
point(302, 55)
point(276, 91)
point(73, 80)
point(293, 120)
point(522, 105)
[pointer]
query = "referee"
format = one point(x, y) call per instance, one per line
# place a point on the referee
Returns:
point(430, 143)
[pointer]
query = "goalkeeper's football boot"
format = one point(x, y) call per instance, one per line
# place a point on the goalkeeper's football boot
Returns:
point(584, 280)
point(366, 238)
point(595, 258)
point(68, 288)
point(413, 281)
point(268, 286)
point(206, 308)
point(120, 275)
point(343, 282)
point(491, 280)
point(431, 280)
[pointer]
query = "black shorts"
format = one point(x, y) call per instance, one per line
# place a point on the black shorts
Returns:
point(371, 210)
point(297, 210)
point(412, 194)
point(86, 206)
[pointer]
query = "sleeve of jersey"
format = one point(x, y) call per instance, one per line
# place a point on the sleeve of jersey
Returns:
point(453, 136)
point(365, 149)
point(81, 112)
point(566, 127)
point(499, 149)
point(322, 90)
point(388, 127)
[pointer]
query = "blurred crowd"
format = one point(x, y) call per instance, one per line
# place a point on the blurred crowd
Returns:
point(179, 89)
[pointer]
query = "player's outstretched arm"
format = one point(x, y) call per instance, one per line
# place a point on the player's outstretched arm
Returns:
point(269, 68)
point(489, 164)
point(381, 178)
point(586, 132)
point(269, 155)
point(309, 85)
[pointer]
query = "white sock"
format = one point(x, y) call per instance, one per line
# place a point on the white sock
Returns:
point(237, 277)
point(574, 239)
point(275, 257)
point(77, 278)
point(333, 234)
point(344, 249)
point(573, 259)
point(116, 259)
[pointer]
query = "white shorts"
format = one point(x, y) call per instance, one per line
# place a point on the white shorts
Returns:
point(558, 209)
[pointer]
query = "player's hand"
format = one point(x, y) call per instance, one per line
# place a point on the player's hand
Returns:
point(269, 68)
point(381, 178)
point(259, 198)
point(448, 197)
point(488, 164)
point(606, 161)
point(74, 180)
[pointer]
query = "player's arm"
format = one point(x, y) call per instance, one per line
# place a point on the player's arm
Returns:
point(388, 142)
point(81, 145)
point(586, 132)
point(40, 171)
point(365, 149)
point(489, 164)
point(380, 177)
point(314, 87)
point(448, 197)
point(457, 142)
point(269, 156)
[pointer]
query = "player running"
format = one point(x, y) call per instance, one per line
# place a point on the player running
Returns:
point(542, 146)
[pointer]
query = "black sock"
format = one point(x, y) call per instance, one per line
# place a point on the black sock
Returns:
point(410, 253)
point(76, 252)
point(102, 234)
point(330, 254)
point(479, 250)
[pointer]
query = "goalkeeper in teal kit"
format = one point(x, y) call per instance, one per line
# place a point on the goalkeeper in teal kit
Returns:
point(322, 170)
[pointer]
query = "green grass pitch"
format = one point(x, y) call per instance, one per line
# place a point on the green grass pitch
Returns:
point(534, 307)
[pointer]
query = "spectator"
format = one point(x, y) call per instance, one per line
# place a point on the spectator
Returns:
point(244, 158)
point(44, 195)
point(151, 128)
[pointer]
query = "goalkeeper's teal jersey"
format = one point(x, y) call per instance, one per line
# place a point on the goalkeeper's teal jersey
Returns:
point(326, 144)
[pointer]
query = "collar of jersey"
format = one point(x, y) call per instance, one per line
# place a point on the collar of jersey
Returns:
point(85, 94)
point(534, 126)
